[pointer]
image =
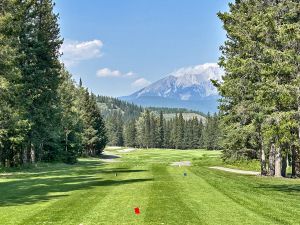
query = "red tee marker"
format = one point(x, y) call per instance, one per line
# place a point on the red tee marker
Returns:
point(136, 210)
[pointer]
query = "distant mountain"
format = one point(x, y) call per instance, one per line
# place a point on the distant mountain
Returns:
point(189, 88)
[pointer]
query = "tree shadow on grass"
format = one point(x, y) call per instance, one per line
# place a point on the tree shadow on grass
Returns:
point(26, 191)
point(121, 170)
point(48, 169)
point(109, 157)
point(45, 184)
point(293, 189)
point(81, 168)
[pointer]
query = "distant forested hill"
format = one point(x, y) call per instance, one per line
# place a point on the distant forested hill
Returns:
point(110, 105)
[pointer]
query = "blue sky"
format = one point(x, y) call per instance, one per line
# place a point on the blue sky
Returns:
point(119, 46)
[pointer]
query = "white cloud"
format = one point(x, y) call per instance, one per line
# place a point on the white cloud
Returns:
point(130, 74)
point(205, 71)
point(140, 83)
point(75, 51)
point(106, 72)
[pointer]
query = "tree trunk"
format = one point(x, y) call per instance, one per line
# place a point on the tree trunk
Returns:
point(39, 154)
point(17, 159)
point(7, 163)
point(284, 166)
point(296, 150)
point(297, 163)
point(294, 156)
point(263, 169)
point(24, 155)
point(32, 153)
point(66, 141)
point(278, 162)
point(272, 160)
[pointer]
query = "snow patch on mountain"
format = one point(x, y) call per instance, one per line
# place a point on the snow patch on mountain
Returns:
point(185, 97)
point(197, 75)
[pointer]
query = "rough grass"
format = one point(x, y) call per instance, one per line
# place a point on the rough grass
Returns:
point(89, 193)
point(253, 165)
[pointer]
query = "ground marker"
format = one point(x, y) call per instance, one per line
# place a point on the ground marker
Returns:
point(137, 210)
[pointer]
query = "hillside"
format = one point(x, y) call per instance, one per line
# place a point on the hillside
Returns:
point(129, 111)
point(108, 105)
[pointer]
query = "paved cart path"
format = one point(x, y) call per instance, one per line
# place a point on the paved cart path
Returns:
point(235, 170)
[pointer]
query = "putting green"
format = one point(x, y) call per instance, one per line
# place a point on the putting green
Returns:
point(90, 192)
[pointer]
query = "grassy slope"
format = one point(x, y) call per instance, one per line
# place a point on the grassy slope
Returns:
point(90, 193)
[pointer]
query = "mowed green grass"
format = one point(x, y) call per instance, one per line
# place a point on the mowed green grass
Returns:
point(89, 193)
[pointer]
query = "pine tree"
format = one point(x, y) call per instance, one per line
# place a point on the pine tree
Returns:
point(99, 125)
point(94, 136)
point(180, 132)
point(40, 71)
point(167, 134)
point(114, 126)
point(154, 131)
point(147, 129)
point(259, 105)
point(130, 134)
point(201, 135)
point(43, 115)
point(141, 131)
point(195, 133)
point(174, 132)
point(71, 123)
point(161, 134)
point(188, 134)
point(13, 125)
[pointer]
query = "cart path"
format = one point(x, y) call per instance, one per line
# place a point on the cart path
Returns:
point(235, 170)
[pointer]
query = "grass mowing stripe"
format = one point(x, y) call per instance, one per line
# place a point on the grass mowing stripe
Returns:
point(81, 201)
point(118, 206)
point(34, 193)
point(210, 204)
point(165, 204)
point(239, 193)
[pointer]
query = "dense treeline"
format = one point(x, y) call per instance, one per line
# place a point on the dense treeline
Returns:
point(261, 89)
point(152, 131)
point(44, 116)
point(121, 120)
